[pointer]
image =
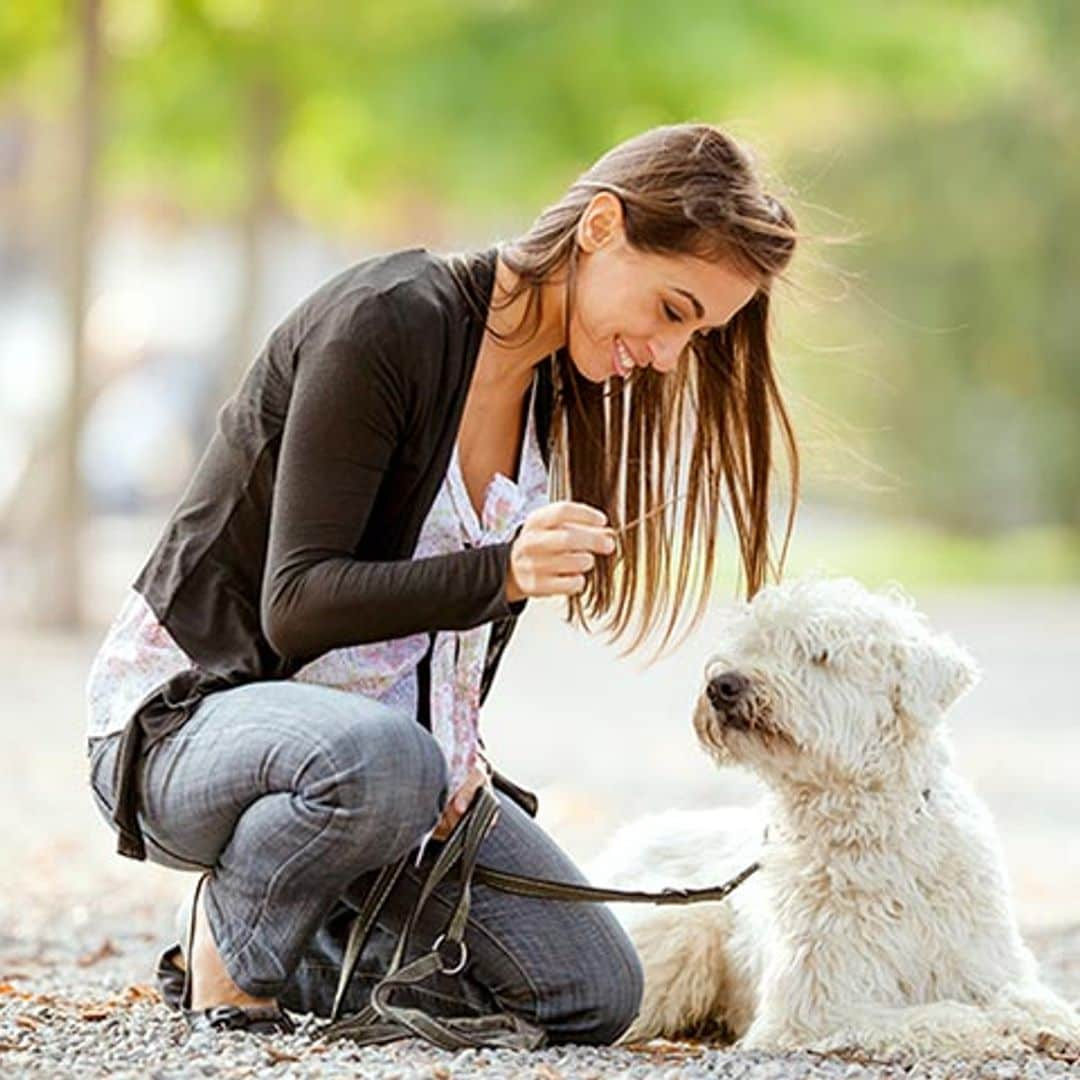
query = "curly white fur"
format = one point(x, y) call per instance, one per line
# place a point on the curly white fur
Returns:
point(881, 918)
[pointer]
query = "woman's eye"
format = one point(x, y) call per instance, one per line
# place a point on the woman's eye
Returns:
point(672, 314)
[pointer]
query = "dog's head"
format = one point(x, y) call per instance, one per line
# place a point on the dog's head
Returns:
point(821, 681)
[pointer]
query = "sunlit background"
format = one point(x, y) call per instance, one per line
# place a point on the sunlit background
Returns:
point(176, 174)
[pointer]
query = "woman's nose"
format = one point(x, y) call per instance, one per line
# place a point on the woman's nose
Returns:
point(665, 353)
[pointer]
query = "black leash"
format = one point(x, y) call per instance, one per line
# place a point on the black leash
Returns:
point(561, 890)
point(382, 1021)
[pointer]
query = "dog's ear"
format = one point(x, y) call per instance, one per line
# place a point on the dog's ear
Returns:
point(931, 673)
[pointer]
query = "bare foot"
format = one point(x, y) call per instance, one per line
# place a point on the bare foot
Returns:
point(210, 982)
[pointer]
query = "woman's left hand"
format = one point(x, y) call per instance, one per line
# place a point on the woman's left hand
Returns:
point(459, 802)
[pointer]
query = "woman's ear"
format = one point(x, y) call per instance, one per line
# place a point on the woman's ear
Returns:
point(931, 672)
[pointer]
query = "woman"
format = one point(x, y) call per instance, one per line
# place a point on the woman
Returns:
point(288, 698)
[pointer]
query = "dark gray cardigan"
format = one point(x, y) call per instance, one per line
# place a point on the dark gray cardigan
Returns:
point(296, 532)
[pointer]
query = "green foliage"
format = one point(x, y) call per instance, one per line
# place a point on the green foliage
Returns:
point(945, 129)
point(963, 372)
point(924, 556)
point(482, 105)
point(34, 35)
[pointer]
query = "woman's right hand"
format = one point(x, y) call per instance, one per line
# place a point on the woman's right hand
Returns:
point(556, 548)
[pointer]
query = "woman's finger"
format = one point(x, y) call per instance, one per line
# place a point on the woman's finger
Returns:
point(478, 775)
point(468, 790)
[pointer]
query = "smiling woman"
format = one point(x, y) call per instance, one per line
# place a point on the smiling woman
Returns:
point(289, 697)
point(655, 269)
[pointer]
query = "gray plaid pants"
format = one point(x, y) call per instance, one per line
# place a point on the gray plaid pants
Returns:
point(294, 795)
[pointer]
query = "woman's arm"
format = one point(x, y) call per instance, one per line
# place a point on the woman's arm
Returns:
point(345, 419)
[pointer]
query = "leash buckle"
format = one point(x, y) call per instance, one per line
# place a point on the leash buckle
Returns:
point(460, 966)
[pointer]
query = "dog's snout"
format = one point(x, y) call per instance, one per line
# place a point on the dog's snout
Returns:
point(726, 688)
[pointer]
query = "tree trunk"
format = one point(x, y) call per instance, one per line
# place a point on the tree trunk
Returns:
point(59, 577)
point(261, 137)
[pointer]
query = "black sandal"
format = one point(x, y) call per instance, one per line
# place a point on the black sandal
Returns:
point(259, 1019)
point(170, 977)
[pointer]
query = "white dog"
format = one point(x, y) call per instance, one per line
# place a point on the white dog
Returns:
point(880, 920)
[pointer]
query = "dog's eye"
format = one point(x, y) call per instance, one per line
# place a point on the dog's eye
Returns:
point(820, 658)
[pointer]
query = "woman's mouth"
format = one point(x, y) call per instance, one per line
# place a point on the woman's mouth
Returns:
point(621, 361)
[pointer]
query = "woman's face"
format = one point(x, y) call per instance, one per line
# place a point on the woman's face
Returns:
point(631, 309)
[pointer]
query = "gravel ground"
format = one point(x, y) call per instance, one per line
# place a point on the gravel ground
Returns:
point(75, 1001)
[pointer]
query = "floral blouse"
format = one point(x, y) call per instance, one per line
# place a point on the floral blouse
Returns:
point(138, 653)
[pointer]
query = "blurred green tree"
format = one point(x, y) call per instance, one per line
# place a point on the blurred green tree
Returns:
point(966, 377)
point(947, 121)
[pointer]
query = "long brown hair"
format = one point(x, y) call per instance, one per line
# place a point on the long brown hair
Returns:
point(685, 189)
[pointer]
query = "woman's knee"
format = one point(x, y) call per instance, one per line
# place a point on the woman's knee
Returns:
point(382, 764)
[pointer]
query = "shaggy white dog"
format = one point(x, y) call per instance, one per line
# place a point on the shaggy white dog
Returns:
point(880, 919)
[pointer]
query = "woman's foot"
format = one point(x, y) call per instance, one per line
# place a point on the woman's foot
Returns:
point(210, 983)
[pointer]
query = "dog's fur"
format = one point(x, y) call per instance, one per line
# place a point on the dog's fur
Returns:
point(880, 920)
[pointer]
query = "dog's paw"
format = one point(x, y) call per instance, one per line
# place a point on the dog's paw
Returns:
point(1059, 1047)
point(900, 1044)
point(843, 1044)
point(768, 1039)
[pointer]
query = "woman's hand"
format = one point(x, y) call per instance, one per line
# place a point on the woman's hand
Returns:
point(459, 803)
point(555, 549)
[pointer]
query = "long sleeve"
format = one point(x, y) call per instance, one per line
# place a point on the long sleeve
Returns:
point(345, 419)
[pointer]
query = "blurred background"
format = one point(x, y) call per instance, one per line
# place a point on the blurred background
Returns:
point(176, 174)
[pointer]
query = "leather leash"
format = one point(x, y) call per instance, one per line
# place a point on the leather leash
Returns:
point(382, 1021)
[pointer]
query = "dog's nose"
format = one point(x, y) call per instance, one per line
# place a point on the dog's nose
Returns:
point(726, 688)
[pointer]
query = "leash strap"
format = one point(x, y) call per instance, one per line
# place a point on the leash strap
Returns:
point(524, 885)
point(382, 1021)
point(362, 926)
